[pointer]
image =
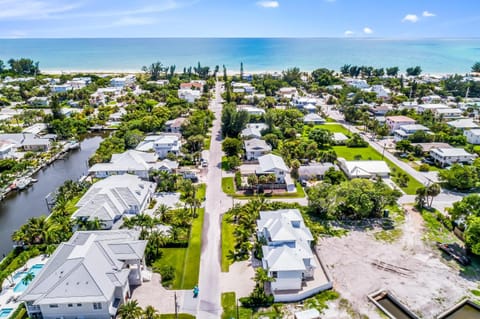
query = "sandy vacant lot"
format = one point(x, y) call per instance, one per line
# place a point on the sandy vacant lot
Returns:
point(409, 268)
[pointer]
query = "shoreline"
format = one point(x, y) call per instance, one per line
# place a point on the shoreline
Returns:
point(220, 73)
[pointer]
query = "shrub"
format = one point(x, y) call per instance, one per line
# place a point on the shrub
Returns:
point(168, 274)
point(238, 180)
point(424, 168)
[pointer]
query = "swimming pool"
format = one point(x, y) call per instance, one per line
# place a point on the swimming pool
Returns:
point(5, 312)
point(20, 286)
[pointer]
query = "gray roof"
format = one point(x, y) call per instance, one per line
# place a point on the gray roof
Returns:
point(317, 169)
point(130, 160)
point(112, 197)
point(269, 162)
point(256, 145)
point(87, 268)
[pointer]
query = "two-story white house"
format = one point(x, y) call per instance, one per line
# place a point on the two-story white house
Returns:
point(111, 198)
point(189, 95)
point(121, 82)
point(406, 130)
point(473, 136)
point(162, 144)
point(449, 156)
point(272, 164)
point(288, 256)
point(129, 162)
point(88, 277)
point(255, 147)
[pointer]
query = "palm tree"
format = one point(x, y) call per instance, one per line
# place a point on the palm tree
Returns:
point(150, 313)
point(271, 178)
point(261, 277)
point(130, 310)
point(28, 278)
point(161, 210)
point(157, 240)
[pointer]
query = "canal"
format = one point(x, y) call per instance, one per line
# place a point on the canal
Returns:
point(18, 207)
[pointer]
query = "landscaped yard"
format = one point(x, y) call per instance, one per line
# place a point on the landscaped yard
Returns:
point(228, 243)
point(230, 309)
point(334, 128)
point(186, 261)
point(228, 186)
point(180, 316)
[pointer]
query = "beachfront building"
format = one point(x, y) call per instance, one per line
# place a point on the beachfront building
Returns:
point(122, 82)
point(163, 144)
point(396, 121)
point(272, 164)
point(449, 156)
point(473, 136)
point(129, 162)
point(405, 131)
point(288, 257)
point(88, 277)
point(111, 198)
point(364, 169)
point(254, 148)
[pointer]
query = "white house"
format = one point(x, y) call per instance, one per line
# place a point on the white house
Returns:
point(314, 171)
point(463, 124)
point(272, 164)
point(162, 144)
point(61, 88)
point(449, 156)
point(381, 91)
point(313, 118)
point(363, 169)
point(287, 255)
point(406, 130)
point(251, 110)
point(112, 197)
point(254, 148)
point(473, 136)
point(175, 126)
point(240, 87)
point(300, 102)
point(121, 82)
point(357, 83)
point(7, 149)
point(38, 101)
point(448, 113)
point(189, 95)
point(394, 122)
point(251, 132)
point(88, 277)
point(129, 162)
point(287, 92)
point(430, 107)
point(339, 138)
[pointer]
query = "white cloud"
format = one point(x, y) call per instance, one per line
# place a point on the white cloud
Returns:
point(268, 4)
point(428, 14)
point(367, 30)
point(33, 9)
point(348, 33)
point(410, 18)
point(131, 21)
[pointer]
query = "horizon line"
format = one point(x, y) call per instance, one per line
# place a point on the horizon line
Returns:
point(247, 37)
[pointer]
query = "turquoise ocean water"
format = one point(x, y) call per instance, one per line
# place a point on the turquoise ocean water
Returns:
point(257, 54)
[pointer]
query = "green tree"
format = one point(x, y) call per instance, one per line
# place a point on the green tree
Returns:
point(461, 177)
point(393, 71)
point(333, 176)
point(233, 122)
point(414, 71)
point(403, 146)
point(150, 313)
point(154, 70)
point(472, 234)
point(232, 146)
point(476, 67)
point(321, 136)
point(469, 205)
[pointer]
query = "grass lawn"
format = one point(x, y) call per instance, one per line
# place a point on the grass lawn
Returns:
point(180, 316)
point(206, 142)
point(228, 186)
point(228, 243)
point(334, 128)
point(368, 153)
point(435, 230)
point(230, 309)
point(224, 163)
point(186, 261)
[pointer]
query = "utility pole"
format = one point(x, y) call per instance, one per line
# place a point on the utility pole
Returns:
point(176, 306)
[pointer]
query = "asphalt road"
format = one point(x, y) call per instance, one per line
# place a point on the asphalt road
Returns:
point(215, 204)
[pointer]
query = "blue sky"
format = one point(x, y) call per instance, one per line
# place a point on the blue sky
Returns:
point(239, 18)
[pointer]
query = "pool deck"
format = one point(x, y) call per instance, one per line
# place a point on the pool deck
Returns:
point(7, 291)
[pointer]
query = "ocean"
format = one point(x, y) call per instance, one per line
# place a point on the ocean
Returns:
point(257, 54)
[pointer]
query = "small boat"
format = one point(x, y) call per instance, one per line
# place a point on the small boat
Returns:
point(73, 145)
point(23, 183)
point(33, 180)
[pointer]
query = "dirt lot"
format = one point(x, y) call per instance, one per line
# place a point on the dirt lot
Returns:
point(411, 269)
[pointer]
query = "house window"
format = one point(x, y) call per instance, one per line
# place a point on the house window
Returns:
point(274, 274)
point(79, 304)
point(97, 306)
point(70, 305)
point(54, 305)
